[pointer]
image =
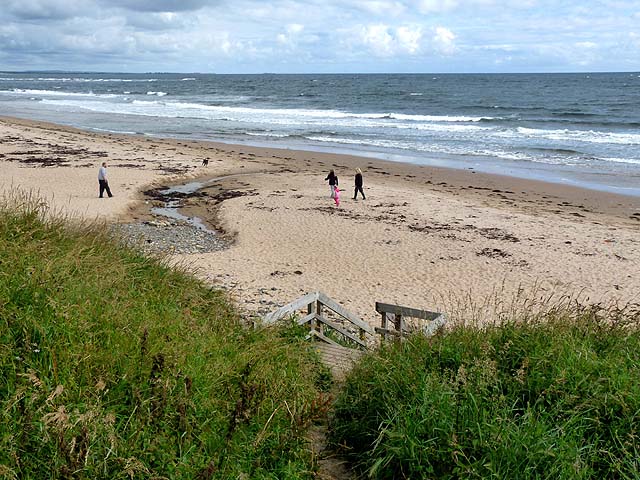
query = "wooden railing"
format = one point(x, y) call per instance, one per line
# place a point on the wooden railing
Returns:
point(353, 329)
point(394, 315)
point(350, 327)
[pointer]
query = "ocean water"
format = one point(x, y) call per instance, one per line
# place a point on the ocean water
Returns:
point(576, 129)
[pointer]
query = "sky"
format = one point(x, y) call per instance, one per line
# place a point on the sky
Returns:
point(320, 36)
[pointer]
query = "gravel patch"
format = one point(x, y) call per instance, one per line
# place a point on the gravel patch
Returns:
point(167, 237)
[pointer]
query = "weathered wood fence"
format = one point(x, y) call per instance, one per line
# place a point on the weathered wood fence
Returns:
point(394, 316)
point(352, 328)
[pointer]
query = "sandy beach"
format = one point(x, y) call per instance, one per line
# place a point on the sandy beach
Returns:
point(425, 237)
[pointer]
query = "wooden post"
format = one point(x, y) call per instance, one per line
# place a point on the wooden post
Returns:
point(385, 326)
point(314, 323)
point(310, 308)
point(398, 323)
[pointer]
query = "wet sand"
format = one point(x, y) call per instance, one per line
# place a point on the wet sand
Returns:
point(429, 238)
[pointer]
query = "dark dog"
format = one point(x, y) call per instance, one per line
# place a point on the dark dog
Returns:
point(205, 162)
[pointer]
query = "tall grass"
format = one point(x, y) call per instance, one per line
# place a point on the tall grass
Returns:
point(113, 365)
point(554, 397)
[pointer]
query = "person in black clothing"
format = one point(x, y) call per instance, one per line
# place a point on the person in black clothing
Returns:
point(333, 182)
point(358, 185)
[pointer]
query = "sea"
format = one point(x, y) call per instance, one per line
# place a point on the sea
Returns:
point(580, 129)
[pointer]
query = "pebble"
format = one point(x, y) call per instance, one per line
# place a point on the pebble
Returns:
point(170, 238)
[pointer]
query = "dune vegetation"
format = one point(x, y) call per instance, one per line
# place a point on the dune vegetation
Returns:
point(115, 365)
point(555, 396)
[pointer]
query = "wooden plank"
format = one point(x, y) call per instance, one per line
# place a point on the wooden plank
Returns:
point(345, 313)
point(406, 311)
point(314, 324)
point(386, 331)
point(339, 359)
point(385, 325)
point(290, 308)
point(315, 333)
point(340, 330)
point(434, 325)
point(306, 318)
point(427, 330)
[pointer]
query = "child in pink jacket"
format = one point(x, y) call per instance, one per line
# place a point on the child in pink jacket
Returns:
point(336, 197)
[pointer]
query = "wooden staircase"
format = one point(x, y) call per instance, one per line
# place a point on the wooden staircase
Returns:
point(342, 337)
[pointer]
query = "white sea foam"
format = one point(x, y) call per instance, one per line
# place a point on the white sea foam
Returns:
point(76, 79)
point(158, 94)
point(310, 113)
point(124, 132)
point(285, 118)
point(57, 93)
point(630, 161)
point(437, 148)
point(267, 134)
point(590, 136)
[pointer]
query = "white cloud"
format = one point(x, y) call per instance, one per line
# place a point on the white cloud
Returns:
point(44, 9)
point(586, 45)
point(444, 6)
point(378, 39)
point(291, 36)
point(444, 41)
point(159, 5)
point(437, 6)
point(319, 35)
point(294, 28)
point(387, 8)
point(384, 40)
point(408, 38)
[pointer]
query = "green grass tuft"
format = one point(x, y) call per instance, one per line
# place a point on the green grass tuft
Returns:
point(557, 398)
point(115, 365)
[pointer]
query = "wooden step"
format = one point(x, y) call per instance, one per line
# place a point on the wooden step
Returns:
point(339, 359)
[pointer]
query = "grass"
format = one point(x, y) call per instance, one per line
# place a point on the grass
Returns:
point(555, 396)
point(114, 365)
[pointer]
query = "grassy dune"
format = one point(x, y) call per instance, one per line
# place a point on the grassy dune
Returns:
point(556, 397)
point(113, 365)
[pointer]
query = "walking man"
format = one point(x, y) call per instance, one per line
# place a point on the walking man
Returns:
point(102, 180)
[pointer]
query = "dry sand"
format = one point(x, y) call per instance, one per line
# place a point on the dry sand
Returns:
point(428, 238)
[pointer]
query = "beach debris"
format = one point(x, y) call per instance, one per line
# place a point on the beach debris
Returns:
point(493, 253)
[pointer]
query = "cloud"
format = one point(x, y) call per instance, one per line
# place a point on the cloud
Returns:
point(444, 6)
point(43, 9)
point(319, 35)
point(292, 31)
point(444, 41)
point(430, 6)
point(384, 40)
point(159, 5)
point(381, 8)
point(409, 38)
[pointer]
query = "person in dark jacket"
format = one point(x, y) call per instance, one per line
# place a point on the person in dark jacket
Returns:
point(358, 185)
point(333, 182)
